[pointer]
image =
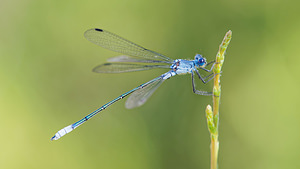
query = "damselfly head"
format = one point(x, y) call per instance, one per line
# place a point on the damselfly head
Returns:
point(201, 61)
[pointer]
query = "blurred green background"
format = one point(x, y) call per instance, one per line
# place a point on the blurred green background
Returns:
point(47, 84)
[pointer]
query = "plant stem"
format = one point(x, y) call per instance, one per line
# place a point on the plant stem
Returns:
point(214, 149)
point(213, 116)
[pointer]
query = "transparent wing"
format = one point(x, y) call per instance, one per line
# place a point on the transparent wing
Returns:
point(139, 97)
point(116, 43)
point(124, 67)
point(124, 58)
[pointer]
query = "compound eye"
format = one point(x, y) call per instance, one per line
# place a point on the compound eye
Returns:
point(201, 60)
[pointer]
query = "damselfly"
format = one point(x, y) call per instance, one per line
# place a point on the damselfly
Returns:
point(138, 59)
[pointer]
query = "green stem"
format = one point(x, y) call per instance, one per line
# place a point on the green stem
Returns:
point(212, 116)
